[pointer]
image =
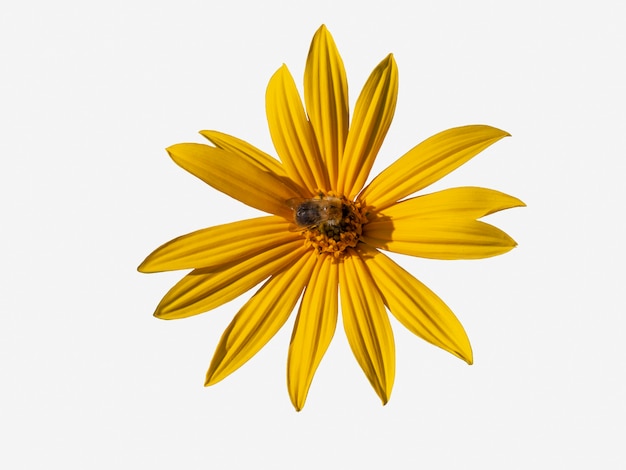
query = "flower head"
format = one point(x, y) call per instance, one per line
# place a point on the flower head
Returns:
point(326, 231)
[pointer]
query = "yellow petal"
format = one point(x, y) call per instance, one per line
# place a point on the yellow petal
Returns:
point(260, 318)
point(372, 117)
point(463, 202)
point(367, 325)
point(245, 150)
point(214, 246)
point(449, 238)
point(416, 306)
point(205, 289)
point(428, 162)
point(313, 330)
point(292, 134)
point(238, 177)
point(326, 98)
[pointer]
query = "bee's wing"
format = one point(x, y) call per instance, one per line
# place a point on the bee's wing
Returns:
point(294, 202)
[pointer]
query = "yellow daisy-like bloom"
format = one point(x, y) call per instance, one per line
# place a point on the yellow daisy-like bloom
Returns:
point(326, 231)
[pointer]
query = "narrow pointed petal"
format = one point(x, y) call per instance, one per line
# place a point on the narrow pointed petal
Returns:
point(214, 246)
point(313, 330)
point(245, 150)
point(292, 133)
point(233, 175)
point(372, 117)
point(260, 318)
point(367, 325)
point(416, 306)
point(464, 202)
point(326, 98)
point(447, 238)
point(428, 162)
point(205, 289)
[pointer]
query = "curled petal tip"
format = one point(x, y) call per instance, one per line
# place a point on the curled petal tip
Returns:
point(515, 202)
point(146, 266)
point(488, 129)
point(208, 380)
point(504, 133)
point(467, 356)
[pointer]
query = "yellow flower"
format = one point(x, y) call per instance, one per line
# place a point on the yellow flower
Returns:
point(326, 229)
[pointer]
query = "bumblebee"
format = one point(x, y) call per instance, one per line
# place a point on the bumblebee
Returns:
point(327, 210)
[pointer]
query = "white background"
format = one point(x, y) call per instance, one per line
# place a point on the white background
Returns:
point(92, 92)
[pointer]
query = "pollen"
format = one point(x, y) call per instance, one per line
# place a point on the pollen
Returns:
point(335, 235)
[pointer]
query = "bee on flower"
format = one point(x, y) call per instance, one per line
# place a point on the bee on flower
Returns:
point(321, 210)
point(326, 232)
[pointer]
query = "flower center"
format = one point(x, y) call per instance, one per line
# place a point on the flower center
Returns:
point(330, 223)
